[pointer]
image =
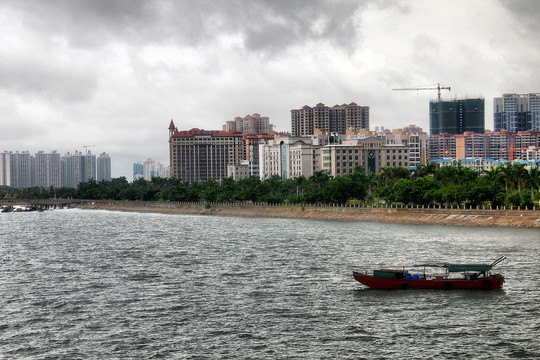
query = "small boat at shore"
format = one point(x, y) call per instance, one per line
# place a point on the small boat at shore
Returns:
point(469, 276)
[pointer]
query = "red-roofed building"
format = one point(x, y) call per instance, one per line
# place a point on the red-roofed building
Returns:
point(200, 155)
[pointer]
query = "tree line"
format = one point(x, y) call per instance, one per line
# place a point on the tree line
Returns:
point(511, 185)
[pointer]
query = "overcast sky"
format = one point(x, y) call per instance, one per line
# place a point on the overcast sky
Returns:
point(114, 73)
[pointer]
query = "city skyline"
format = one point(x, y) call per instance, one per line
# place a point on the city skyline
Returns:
point(203, 63)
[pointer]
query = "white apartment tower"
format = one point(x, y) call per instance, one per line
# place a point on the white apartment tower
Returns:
point(103, 172)
point(47, 169)
point(286, 157)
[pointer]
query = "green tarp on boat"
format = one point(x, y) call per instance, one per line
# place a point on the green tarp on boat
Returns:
point(468, 267)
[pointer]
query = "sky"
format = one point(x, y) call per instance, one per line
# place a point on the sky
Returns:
point(109, 75)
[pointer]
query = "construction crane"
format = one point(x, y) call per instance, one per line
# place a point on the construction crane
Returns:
point(430, 87)
point(512, 149)
point(86, 148)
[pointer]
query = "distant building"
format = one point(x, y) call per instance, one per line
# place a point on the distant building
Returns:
point(250, 124)
point(337, 155)
point(200, 155)
point(138, 170)
point(287, 158)
point(243, 170)
point(103, 172)
point(370, 152)
point(5, 169)
point(516, 112)
point(414, 138)
point(21, 169)
point(251, 151)
point(456, 116)
point(152, 168)
point(78, 168)
point(47, 170)
point(501, 145)
point(308, 120)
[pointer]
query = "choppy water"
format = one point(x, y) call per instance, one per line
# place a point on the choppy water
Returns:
point(95, 284)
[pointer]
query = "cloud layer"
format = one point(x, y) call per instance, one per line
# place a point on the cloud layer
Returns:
point(113, 73)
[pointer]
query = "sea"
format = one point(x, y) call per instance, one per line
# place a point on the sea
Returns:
point(93, 284)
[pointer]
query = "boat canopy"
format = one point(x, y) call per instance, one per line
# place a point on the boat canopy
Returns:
point(468, 267)
point(460, 267)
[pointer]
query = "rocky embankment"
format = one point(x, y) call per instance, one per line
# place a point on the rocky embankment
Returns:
point(462, 217)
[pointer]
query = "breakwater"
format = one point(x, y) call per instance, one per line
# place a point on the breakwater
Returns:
point(460, 217)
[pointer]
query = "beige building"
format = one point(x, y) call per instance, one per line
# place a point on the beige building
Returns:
point(370, 152)
point(415, 139)
point(336, 119)
point(250, 124)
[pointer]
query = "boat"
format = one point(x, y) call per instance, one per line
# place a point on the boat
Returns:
point(454, 276)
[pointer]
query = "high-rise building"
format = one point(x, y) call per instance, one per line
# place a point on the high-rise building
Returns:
point(339, 119)
point(21, 169)
point(47, 169)
point(516, 112)
point(78, 168)
point(250, 124)
point(5, 169)
point(103, 172)
point(456, 116)
point(200, 155)
point(138, 170)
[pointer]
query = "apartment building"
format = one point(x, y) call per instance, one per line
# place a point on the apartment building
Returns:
point(250, 124)
point(308, 120)
point(502, 145)
point(5, 169)
point(414, 138)
point(21, 169)
point(47, 169)
point(77, 168)
point(103, 168)
point(516, 112)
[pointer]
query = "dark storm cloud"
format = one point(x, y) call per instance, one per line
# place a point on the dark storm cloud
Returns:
point(267, 26)
point(526, 13)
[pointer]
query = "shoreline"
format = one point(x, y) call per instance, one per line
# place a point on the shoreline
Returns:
point(457, 217)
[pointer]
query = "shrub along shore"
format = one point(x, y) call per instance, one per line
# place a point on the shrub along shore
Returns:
point(412, 215)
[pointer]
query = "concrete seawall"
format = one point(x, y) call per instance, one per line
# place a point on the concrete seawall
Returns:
point(460, 217)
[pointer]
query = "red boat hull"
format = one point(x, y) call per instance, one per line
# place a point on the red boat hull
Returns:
point(492, 282)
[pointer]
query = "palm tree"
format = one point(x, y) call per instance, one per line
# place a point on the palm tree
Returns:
point(534, 180)
point(521, 175)
point(424, 170)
